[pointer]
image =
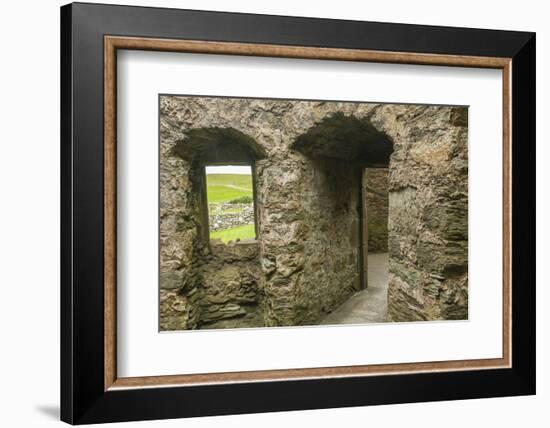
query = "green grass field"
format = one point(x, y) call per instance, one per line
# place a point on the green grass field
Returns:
point(225, 187)
point(242, 232)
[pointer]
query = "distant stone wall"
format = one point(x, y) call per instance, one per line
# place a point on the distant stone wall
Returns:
point(306, 261)
point(375, 183)
point(225, 216)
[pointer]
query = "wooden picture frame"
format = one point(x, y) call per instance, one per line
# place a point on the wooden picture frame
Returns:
point(91, 390)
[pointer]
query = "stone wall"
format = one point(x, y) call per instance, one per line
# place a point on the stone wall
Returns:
point(428, 218)
point(227, 292)
point(225, 215)
point(375, 184)
point(181, 246)
point(306, 258)
point(330, 203)
point(232, 294)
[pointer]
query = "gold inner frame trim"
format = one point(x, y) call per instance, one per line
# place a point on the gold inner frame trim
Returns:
point(113, 43)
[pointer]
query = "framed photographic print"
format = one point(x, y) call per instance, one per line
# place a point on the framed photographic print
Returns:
point(265, 213)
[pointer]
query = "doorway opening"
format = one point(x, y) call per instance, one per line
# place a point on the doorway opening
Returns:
point(374, 233)
point(357, 157)
point(369, 302)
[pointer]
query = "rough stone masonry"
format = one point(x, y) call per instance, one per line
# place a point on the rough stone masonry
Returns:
point(308, 158)
point(375, 183)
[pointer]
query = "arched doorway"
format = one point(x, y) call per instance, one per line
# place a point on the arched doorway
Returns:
point(350, 145)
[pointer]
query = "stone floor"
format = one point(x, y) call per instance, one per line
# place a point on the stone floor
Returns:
point(368, 305)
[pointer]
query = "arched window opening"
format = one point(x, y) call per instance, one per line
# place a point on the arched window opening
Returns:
point(226, 186)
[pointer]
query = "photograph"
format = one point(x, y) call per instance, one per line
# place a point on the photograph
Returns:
point(276, 214)
point(290, 212)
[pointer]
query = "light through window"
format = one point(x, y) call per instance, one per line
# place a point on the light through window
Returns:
point(230, 196)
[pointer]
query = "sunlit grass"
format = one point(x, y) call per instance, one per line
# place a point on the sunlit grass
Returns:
point(241, 180)
point(225, 187)
point(245, 231)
